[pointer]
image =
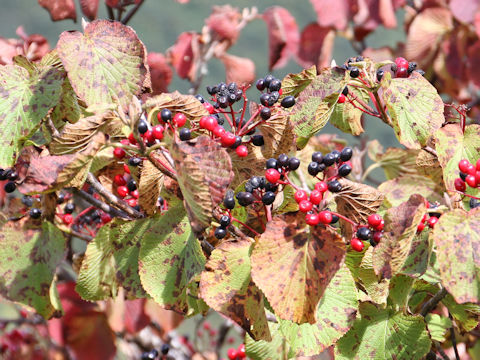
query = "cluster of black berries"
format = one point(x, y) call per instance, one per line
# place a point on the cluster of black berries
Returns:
point(273, 89)
point(11, 176)
point(225, 95)
point(354, 71)
point(153, 354)
point(339, 159)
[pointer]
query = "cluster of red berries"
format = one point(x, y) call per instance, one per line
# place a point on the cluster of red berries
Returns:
point(12, 343)
point(126, 187)
point(428, 219)
point(153, 354)
point(469, 175)
point(372, 232)
point(238, 353)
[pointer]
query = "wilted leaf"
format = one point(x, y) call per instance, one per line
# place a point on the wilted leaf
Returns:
point(89, 8)
point(204, 172)
point(227, 287)
point(293, 264)
point(183, 55)
point(111, 261)
point(114, 58)
point(160, 72)
point(240, 70)
point(438, 326)
point(415, 108)
point(28, 261)
point(457, 240)
point(170, 257)
point(316, 46)
point(338, 306)
point(283, 36)
point(401, 222)
point(384, 334)
point(294, 84)
point(59, 9)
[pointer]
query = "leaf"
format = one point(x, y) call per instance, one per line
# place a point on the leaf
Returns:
point(315, 104)
point(457, 240)
point(68, 108)
point(26, 96)
point(184, 54)
point(399, 190)
point(466, 315)
point(278, 135)
point(452, 145)
point(224, 22)
point(348, 118)
point(293, 264)
point(263, 350)
point(400, 288)
point(28, 261)
point(204, 172)
point(283, 36)
point(437, 326)
point(160, 72)
point(401, 222)
point(170, 257)
point(114, 59)
point(376, 288)
point(294, 83)
point(419, 255)
point(316, 46)
point(238, 69)
point(335, 314)
point(89, 8)
point(149, 187)
point(111, 261)
point(398, 162)
point(332, 13)
point(415, 108)
point(59, 9)
point(384, 334)
point(227, 287)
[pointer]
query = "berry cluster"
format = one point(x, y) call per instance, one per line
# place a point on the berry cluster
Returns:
point(224, 95)
point(238, 353)
point(401, 68)
point(126, 187)
point(272, 95)
point(469, 175)
point(153, 354)
point(10, 175)
point(372, 232)
point(429, 219)
point(340, 162)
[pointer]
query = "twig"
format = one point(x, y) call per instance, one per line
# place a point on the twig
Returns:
point(453, 338)
point(92, 180)
point(440, 351)
point(433, 302)
point(100, 204)
point(430, 150)
point(111, 16)
point(132, 12)
point(49, 124)
point(77, 234)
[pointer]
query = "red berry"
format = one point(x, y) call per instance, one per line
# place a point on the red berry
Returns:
point(105, 218)
point(463, 165)
point(380, 226)
point(424, 218)
point(325, 217)
point(471, 169)
point(341, 99)
point(478, 165)
point(122, 191)
point(477, 177)
point(119, 180)
point(201, 123)
point(124, 141)
point(312, 219)
point(219, 131)
point(157, 132)
point(471, 181)
point(401, 62)
point(357, 244)
point(420, 227)
point(132, 202)
point(135, 194)
point(432, 221)
point(67, 219)
point(149, 137)
point(179, 119)
point(209, 107)
point(208, 122)
point(300, 195)
point(321, 186)
point(232, 353)
point(228, 139)
point(241, 351)
point(315, 197)
point(377, 236)
point(126, 168)
point(460, 185)
point(374, 220)
point(119, 153)
point(241, 151)
point(401, 72)
point(132, 139)
point(272, 175)
point(305, 206)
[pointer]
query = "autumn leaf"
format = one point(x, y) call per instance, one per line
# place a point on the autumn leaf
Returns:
point(334, 14)
point(59, 9)
point(316, 46)
point(89, 8)
point(224, 22)
point(183, 55)
point(160, 72)
point(149, 186)
point(240, 70)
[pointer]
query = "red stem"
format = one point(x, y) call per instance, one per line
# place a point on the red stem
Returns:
point(465, 194)
point(344, 218)
point(245, 225)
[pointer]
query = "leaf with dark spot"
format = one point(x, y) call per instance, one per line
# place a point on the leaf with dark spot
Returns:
point(400, 189)
point(150, 185)
point(294, 84)
point(293, 264)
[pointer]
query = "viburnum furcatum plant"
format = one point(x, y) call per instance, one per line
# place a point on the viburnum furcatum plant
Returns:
point(118, 202)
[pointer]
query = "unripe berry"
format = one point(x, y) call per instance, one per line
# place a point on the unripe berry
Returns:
point(401, 62)
point(228, 139)
point(321, 186)
point(325, 217)
point(180, 119)
point(432, 221)
point(119, 180)
point(463, 165)
point(374, 220)
point(122, 191)
point(67, 219)
point(471, 181)
point(119, 153)
point(341, 99)
point(300, 195)
point(312, 219)
point(377, 236)
point(460, 185)
point(272, 175)
point(316, 197)
point(219, 131)
point(471, 169)
point(305, 206)
point(357, 244)
point(241, 151)
point(157, 132)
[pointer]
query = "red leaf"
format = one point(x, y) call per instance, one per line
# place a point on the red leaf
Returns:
point(474, 58)
point(160, 72)
point(135, 317)
point(316, 45)
point(333, 13)
point(89, 8)
point(113, 3)
point(283, 36)
point(224, 22)
point(477, 23)
point(464, 10)
point(238, 69)
point(60, 9)
point(183, 53)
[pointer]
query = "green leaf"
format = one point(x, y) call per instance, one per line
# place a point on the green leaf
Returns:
point(457, 240)
point(399, 292)
point(111, 261)
point(415, 108)
point(337, 306)
point(419, 255)
point(26, 96)
point(28, 261)
point(106, 64)
point(294, 84)
point(227, 287)
point(376, 288)
point(293, 264)
point(267, 350)
point(315, 104)
point(400, 189)
point(384, 334)
point(438, 326)
point(170, 257)
point(346, 117)
point(466, 315)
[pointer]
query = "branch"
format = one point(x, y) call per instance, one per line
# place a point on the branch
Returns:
point(440, 350)
point(77, 234)
point(112, 199)
point(430, 150)
point(453, 338)
point(433, 302)
point(132, 12)
point(111, 16)
point(100, 204)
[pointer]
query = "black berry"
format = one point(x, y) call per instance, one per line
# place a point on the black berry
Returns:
point(264, 99)
point(275, 85)
point(244, 198)
point(336, 155)
point(165, 349)
point(346, 154)
point(288, 101)
point(344, 170)
point(380, 75)
point(334, 186)
point(185, 134)
point(69, 208)
point(260, 84)
point(474, 203)
point(132, 185)
point(268, 198)
point(313, 168)
point(166, 115)
point(293, 163)
point(229, 202)
point(35, 213)
point(463, 176)
point(354, 72)
point(142, 127)
point(212, 90)
point(329, 159)
point(225, 221)
point(199, 98)
point(265, 113)
point(345, 91)
point(12, 175)
point(335, 219)
point(27, 201)
point(317, 157)
point(3, 174)
point(271, 163)
point(258, 140)
point(9, 187)
point(222, 101)
point(364, 233)
point(238, 142)
point(220, 233)
point(268, 79)
point(256, 181)
point(282, 160)
point(134, 161)
point(411, 66)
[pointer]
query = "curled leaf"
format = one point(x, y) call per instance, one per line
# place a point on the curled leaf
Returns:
point(150, 186)
point(316, 46)
point(238, 69)
point(59, 9)
point(183, 55)
point(224, 22)
point(89, 8)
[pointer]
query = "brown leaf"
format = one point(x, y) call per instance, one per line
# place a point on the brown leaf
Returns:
point(316, 46)
point(238, 69)
point(183, 55)
point(150, 185)
point(160, 72)
point(89, 8)
point(278, 134)
point(283, 36)
point(224, 22)
point(401, 223)
point(59, 9)
point(293, 264)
